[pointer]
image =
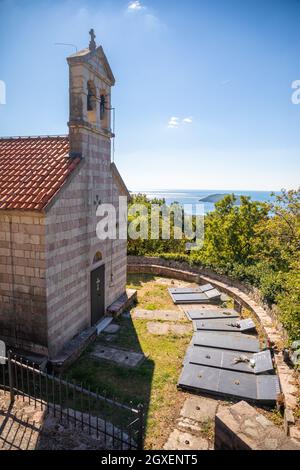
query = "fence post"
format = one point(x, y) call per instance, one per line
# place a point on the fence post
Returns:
point(141, 416)
point(10, 378)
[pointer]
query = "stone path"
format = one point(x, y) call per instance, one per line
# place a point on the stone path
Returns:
point(194, 429)
point(122, 357)
point(164, 315)
point(163, 328)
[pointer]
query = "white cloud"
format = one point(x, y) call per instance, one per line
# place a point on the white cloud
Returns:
point(173, 122)
point(150, 20)
point(188, 120)
point(135, 5)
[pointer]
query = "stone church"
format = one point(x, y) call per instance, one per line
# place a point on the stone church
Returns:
point(56, 277)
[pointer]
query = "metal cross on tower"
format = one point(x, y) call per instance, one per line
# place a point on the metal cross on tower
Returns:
point(92, 44)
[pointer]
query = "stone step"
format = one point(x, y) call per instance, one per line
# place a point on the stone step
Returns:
point(103, 323)
point(124, 302)
point(73, 349)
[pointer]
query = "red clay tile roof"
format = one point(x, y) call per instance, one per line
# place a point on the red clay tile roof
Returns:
point(32, 170)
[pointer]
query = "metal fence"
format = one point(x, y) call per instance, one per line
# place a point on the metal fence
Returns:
point(119, 425)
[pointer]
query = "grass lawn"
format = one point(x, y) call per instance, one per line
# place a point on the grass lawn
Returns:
point(154, 381)
point(152, 291)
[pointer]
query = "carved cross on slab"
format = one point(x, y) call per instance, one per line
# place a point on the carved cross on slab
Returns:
point(92, 44)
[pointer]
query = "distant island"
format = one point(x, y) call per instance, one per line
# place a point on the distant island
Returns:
point(217, 197)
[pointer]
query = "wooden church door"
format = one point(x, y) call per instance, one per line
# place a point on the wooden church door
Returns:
point(97, 294)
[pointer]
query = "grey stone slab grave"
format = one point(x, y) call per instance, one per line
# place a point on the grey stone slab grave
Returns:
point(190, 290)
point(224, 297)
point(218, 358)
point(180, 440)
point(118, 356)
point(206, 287)
point(163, 328)
point(267, 386)
point(211, 314)
point(250, 363)
point(263, 389)
point(263, 362)
point(184, 290)
point(226, 340)
point(189, 298)
point(169, 315)
point(213, 294)
point(199, 409)
point(233, 325)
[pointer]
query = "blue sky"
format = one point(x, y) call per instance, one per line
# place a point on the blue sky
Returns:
point(203, 91)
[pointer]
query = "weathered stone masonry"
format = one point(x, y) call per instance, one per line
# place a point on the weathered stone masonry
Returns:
point(49, 248)
point(22, 278)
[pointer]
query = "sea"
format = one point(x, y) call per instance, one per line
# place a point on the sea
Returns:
point(193, 197)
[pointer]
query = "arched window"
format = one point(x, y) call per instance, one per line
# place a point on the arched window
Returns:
point(91, 96)
point(97, 257)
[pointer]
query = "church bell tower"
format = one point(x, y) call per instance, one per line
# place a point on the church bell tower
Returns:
point(90, 79)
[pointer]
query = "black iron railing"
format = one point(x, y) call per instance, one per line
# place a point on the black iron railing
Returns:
point(120, 426)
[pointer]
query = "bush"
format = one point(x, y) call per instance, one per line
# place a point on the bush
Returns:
point(256, 243)
point(288, 302)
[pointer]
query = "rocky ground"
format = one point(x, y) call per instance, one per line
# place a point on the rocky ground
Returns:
point(25, 426)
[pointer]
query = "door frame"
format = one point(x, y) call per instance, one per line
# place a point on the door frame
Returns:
point(92, 268)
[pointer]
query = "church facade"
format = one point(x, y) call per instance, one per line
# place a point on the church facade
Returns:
point(57, 277)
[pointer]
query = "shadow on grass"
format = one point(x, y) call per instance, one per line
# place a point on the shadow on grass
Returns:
point(129, 386)
point(137, 280)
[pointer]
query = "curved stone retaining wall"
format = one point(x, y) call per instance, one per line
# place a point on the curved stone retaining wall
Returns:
point(247, 296)
point(183, 271)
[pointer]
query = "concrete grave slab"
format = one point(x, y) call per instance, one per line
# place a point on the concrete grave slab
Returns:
point(165, 315)
point(199, 409)
point(194, 295)
point(256, 363)
point(189, 298)
point(179, 440)
point(233, 325)
point(224, 297)
point(118, 356)
point(261, 389)
point(191, 290)
point(206, 287)
point(211, 314)
point(180, 330)
point(185, 290)
point(213, 294)
point(222, 340)
point(159, 328)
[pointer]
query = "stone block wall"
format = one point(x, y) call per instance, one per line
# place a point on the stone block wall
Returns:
point(242, 427)
point(71, 244)
point(23, 319)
